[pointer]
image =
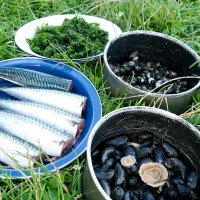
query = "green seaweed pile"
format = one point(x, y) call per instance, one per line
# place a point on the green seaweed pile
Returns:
point(75, 37)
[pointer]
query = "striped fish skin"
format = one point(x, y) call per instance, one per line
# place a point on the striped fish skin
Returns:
point(57, 118)
point(27, 77)
point(50, 140)
point(70, 102)
point(17, 152)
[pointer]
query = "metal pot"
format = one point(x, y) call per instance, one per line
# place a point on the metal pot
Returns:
point(166, 127)
point(157, 47)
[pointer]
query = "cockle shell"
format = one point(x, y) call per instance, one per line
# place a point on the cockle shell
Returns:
point(153, 174)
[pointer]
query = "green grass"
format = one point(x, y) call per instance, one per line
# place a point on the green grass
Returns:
point(179, 19)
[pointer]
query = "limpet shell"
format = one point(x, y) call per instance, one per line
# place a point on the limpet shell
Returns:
point(128, 161)
point(153, 174)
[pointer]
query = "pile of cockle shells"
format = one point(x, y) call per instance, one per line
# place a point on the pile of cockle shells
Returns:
point(148, 76)
point(143, 169)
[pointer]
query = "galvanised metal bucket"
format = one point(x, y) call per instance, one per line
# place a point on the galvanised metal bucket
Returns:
point(166, 126)
point(152, 46)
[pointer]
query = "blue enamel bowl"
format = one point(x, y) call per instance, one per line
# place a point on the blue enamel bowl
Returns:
point(82, 86)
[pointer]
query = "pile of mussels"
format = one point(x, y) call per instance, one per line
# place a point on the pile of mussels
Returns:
point(150, 75)
point(143, 169)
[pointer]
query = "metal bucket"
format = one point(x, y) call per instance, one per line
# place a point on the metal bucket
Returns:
point(157, 47)
point(166, 126)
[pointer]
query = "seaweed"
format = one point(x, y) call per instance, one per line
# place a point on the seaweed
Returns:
point(75, 37)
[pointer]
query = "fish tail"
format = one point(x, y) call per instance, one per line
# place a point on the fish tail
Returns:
point(80, 128)
point(70, 86)
point(67, 146)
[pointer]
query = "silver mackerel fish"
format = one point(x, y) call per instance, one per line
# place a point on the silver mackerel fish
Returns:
point(27, 77)
point(60, 119)
point(17, 152)
point(50, 140)
point(70, 102)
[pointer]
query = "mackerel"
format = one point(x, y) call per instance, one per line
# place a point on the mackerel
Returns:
point(70, 102)
point(27, 77)
point(55, 117)
point(50, 140)
point(17, 152)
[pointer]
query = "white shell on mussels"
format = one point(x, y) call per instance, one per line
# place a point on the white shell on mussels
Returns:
point(134, 144)
point(128, 161)
point(153, 174)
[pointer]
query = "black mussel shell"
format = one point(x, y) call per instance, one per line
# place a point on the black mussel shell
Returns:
point(148, 195)
point(177, 181)
point(160, 197)
point(129, 150)
point(133, 182)
point(106, 186)
point(105, 175)
point(145, 160)
point(143, 152)
point(159, 155)
point(168, 163)
point(170, 151)
point(107, 164)
point(179, 166)
point(118, 154)
point(135, 195)
point(146, 144)
point(186, 192)
point(96, 165)
point(117, 193)
point(127, 195)
point(172, 193)
point(191, 195)
point(120, 174)
point(96, 153)
point(118, 141)
point(107, 153)
point(133, 170)
point(192, 179)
